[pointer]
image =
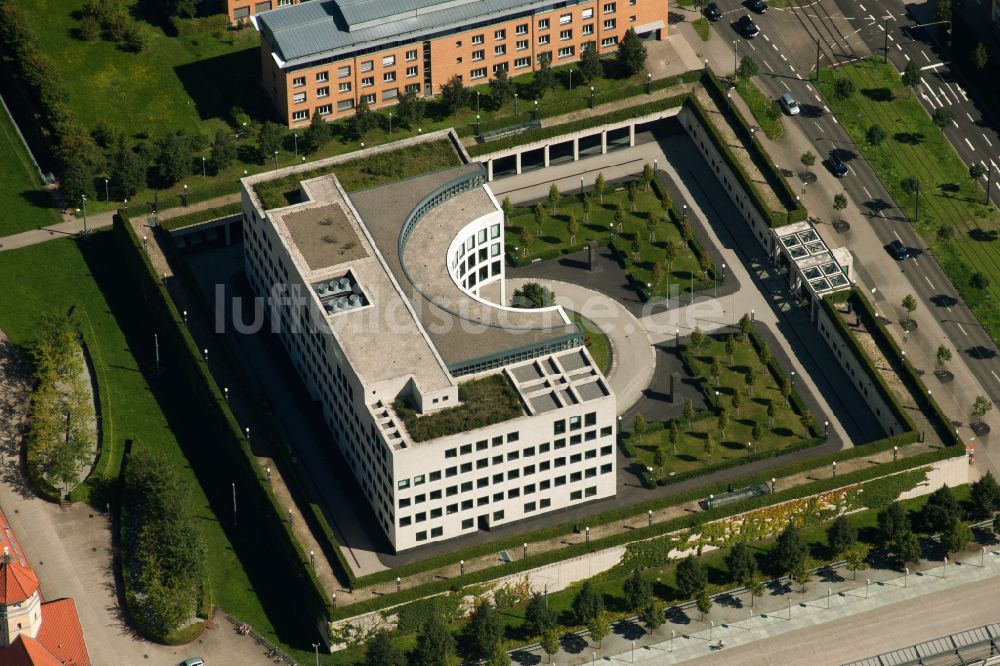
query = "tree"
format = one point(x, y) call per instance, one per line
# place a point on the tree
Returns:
point(270, 137)
point(526, 238)
point(716, 369)
point(697, 339)
point(747, 68)
point(669, 253)
point(709, 445)
point(588, 205)
point(688, 412)
point(454, 95)
point(980, 57)
point(892, 520)
point(640, 424)
point(647, 175)
point(996, 524)
point(638, 591)
point(940, 509)
point(316, 135)
point(410, 109)
point(765, 355)
point(857, 558)
point(533, 295)
point(181, 8)
point(942, 117)
point(656, 274)
point(808, 158)
point(786, 389)
point(550, 643)
point(137, 37)
point(435, 645)
point(750, 378)
point(587, 604)
point(619, 217)
point(805, 418)
point(538, 618)
point(498, 656)
point(943, 356)
point(501, 88)
point(223, 150)
point(803, 573)
point(545, 78)
point(731, 347)
point(771, 412)
point(985, 495)
point(876, 134)
point(746, 326)
point(704, 603)
point(979, 281)
point(981, 406)
point(756, 433)
point(364, 119)
point(174, 159)
point(508, 209)
point(631, 53)
point(590, 64)
point(572, 227)
point(665, 207)
point(600, 629)
point(659, 459)
point(553, 198)
point(755, 587)
point(943, 11)
point(128, 171)
point(539, 212)
point(600, 187)
point(632, 194)
point(840, 203)
point(906, 546)
point(976, 171)
point(910, 185)
point(652, 616)
point(843, 88)
point(484, 630)
point(690, 576)
point(955, 535)
point(741, 563)
point(911, 75)
point(723, 421)
point(672, 433)
point(909, 304)
point(380, 650)
point(841, 535)
point(789, 550)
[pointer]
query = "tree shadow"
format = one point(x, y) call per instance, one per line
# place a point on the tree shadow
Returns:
point(983, 235)
point(216, 85)
point(573, 644)
point(877, 94)
point(944, 300)
point(909, 138)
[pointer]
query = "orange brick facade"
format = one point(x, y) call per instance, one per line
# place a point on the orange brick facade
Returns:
point(333, 89)
point(240, 10)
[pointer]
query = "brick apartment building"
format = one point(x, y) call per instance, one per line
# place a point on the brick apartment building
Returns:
point(240, 10)
point(321, 57)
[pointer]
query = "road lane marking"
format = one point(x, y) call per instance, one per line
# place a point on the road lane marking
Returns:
point(924, 54)
point(994, 372)
point(987, 140)
point(808, 87)
point(969, 144)
point(894, 233)
point(960, 328)
point(783, 57)
point(862, 7)
point(786, 86)
point(818, 98)
point(867, 193)
point(905, 54)
point(826, 108)
point(767, 39)
point(929, 100)
point(969, 116)
point(793, 70)
point(891, 39)
point(954, 123)
point(900, 48)
point(929, 281)
point(767, 64)
point(799, 77)
point(881, 27)
point(945, 95)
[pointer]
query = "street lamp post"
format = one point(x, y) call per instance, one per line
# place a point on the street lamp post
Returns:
point(736, 57)
point(906, 572)
point(591, 96)
point(234, 505)
point(672, 634)
point(793, 378)
point(515, 104)
point(534, 112)
point(203, 174)
point(587, 530)
point(581, 186)
point(829, 592)
point(633, 652)
point(107, 197)
point(390, 122)
point(868, 582)
point(477, 123)
point(525, 549)
point(461, 567)
point(834, 468)
point(826, 429)
point(774, 483)
point(316, 648)
point(185, 195)
point(295, 137)
point(895, 453)
point(571, 79)
point(649, 84)
point(477, 103)
point(649, 516)
point(83, 198)
point(276, 160)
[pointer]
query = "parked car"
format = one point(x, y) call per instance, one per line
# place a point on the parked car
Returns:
point(746, 27)
point(836, 165)
point(193, 661)
point(898, 251)
point(757, 6)
point(712, 12)
point(789, 104)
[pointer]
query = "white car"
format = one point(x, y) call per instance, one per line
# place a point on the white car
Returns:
point(193, 661)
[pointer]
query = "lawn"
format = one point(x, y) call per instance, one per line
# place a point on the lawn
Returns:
point(596, 341)
point(916, 148)
point(24, 200)
point(761, 108)
point(491, 399)
point(553, 237)
point(691, 453)
point(703, 28)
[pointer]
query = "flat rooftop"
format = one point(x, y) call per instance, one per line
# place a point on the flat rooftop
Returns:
point(324, 236)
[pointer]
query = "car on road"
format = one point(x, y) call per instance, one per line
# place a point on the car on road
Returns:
point(712, 12)
point(757, 6)
point(193, 661)
point(789, 104)
point(746, 27)
point(898, 251)
point(836, 165)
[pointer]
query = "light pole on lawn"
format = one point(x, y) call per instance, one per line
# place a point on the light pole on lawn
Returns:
point(295, 137)
point(515, 104)
point(203, 174)
point(276, 160)
point(107, 197)
point(316, 648)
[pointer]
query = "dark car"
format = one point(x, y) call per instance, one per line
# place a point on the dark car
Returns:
point(746, 27)
point(757, 6)
point(898, 250)
point(836, 166)
point(712, 12)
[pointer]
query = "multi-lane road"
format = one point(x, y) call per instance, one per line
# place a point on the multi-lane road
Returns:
point(833, 33)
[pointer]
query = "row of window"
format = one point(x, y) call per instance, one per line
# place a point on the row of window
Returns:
point(513, 493)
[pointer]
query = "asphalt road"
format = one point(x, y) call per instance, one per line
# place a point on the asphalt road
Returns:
point(786, 50)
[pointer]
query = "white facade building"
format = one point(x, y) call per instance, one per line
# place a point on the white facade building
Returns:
point(375, 295)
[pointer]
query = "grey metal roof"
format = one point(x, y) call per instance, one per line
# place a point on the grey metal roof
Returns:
point(323, 28)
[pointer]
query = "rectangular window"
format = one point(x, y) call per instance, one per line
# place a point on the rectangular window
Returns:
point(322, 77)
point(529, 507)
point(388, 77)
point(497, 497)
point(513, 455)
point(591, 472)
point(544, 485)
point(478, 73)
point(529, 451)
point(544, 466)
point(591, 491)
point(513, 474)
point(436, 513)
point(543, 24)
point(344, 71)
point(631, 19)
point(405, 521)
point(482, 445)
point(368, 82)
point(367, 65)
point(565, 19)
point(530, 469)
point(575, 476)
point(575, 439)
point(411, 71)
point(403, 484)
point(323, 92)
point(606, 468)
point(544, 448)
point(588, 29)
point(560, 461)
point(478, 55)
point(465, 449)
point(513, 436)
point(467, 524)
point(422, 536)
point(419, 499)
point(344, 86)
point(587, 13)
point(497, 441)
point(420, 517)
point(500, 34)
point(482, 501)
point(388, 61)
point(483, 482)
point(411, 55)
point(436, 531)
point(560, 444)
point(521, 29)
point(404, 502)
point(435, 476)
point(345, 105)
point(500, 49)
point(590, 419)
point(482, 463)
point(606, 450)
point(513, 492)
point(609, 7)
point(576, 495)
point(558, 427)
point(478, 39)
point(529, 489)
point(575, 423)
point(560, 481)
point(466, 486)
point(498, 478)
point(418, 480)
point(298, 81)
point(299, 98)
point(565, 35)
point(450, 491)
point(451, 471)
point(324, 110)
point(451, 453)
point(544, 504)
point(466, 504)
point(435, 494)
point(412, 87)
point(543, 39)
point(498, 515)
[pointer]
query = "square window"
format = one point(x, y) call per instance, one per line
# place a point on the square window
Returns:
point(343, 72)
point(606, 450)
point(498, 478)
point(560, 481)
point(513, 492)
point(452, 508)
point(435, 476)
point(498, 515)
point(405, 521)
point(558, 427)
point(436, 531)
point(420, 517)
point(606, 468)
point(367, 65)
point(497, 441)
point(500, 34)
point(545, 503)
point(467, 524)
point(421, 536)
point(451, 491)
point(482, 501)
point(482, 463)
point(322, 76)
point(576, 495)
point(411, 55)
point(466, 504)
point(591, 491)
point(529, 507)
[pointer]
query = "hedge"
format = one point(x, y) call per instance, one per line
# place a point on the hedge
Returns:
point(657, 529)
point(181, 221)
point(232, 452)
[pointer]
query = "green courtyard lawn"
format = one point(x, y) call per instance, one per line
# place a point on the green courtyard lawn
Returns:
point(596, 341)
point(761, 108)
point(25, 202)
point(916, 148)
point(785, 431)
point(553, 238)
point(64, 275)
point(703, 28)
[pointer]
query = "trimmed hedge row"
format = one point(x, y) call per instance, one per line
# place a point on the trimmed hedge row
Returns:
point(658, 529)
point(232, 452)
point(181, 221)
point(795, 211)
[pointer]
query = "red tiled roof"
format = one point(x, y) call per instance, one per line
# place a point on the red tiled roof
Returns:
point(17, 582)
point(61, 633)
point(25, 651)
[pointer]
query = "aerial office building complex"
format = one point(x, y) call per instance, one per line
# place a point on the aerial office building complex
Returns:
point(455, 413)
point(323, 56)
